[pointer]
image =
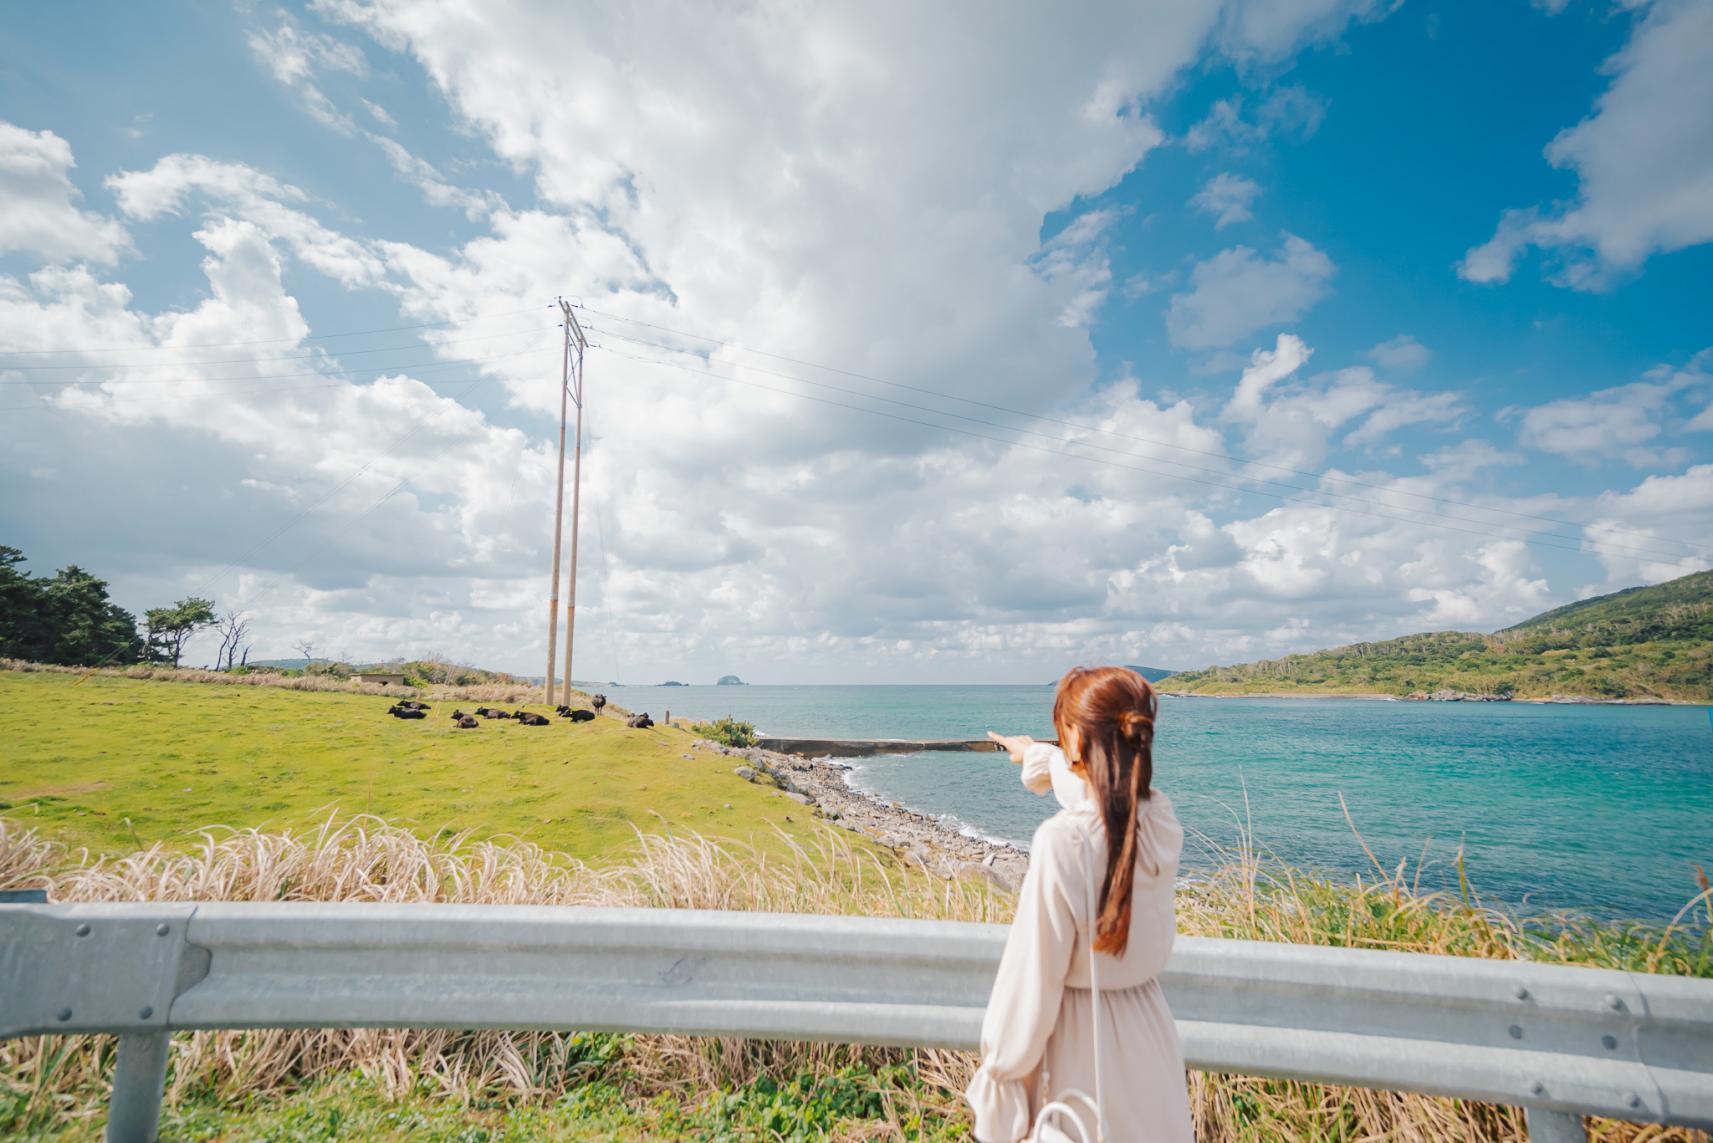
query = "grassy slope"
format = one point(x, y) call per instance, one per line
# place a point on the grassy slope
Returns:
point(1648, 642)
point(173, 757)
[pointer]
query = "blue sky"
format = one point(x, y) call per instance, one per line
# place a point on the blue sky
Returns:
point(1434, 121)
point(1222, 330)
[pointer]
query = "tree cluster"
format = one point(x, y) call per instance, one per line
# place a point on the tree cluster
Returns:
point(170, 628)
point(67, 619)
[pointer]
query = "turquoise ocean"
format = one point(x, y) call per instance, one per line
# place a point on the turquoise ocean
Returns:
point(1605, 810)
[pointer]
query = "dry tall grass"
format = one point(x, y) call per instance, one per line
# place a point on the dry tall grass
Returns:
point(61, 1080)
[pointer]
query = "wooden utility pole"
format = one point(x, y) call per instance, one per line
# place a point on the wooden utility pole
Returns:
point(574, 331)
point(559, 509)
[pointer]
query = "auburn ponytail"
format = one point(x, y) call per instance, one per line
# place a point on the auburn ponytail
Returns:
point(1112, 710)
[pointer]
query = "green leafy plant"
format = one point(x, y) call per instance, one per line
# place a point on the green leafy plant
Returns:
point(727, 731)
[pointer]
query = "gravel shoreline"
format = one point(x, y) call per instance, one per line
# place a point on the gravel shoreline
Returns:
point(916, 838)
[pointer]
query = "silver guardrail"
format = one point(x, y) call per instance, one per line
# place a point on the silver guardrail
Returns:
point(1560, 1041)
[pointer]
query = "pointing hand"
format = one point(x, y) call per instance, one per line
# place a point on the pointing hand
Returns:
point(1013, 744)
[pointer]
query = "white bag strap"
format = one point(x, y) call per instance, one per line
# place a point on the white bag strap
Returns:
point(1046, 1132)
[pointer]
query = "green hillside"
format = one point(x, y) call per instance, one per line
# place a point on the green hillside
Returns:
point(1644, 643)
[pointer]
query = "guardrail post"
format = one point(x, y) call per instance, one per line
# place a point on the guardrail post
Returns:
point(1554, 1126)
point(140, 1076)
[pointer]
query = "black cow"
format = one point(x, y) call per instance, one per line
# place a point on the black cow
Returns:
point(465, 722)
point(598, 702)
point(406, 712)
point(529, 719)
point(457, 715)
point(582, 716)
point(491, 712)
point(639, 721)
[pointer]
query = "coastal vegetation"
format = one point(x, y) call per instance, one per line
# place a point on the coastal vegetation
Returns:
point(415, 1084)
point(1647, 643)
point(727, 731)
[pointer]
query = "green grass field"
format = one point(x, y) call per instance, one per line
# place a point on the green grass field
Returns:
point(117, 763)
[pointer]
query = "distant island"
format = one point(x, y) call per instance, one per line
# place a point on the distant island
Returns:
point(674, 683)
point(731, 681)
point(1639, 645)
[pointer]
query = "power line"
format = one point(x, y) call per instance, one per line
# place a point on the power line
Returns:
point(1431, 517)
point(600, 506)
point(1084, 444)
point(1318, 476)
point(100, 365)
point(247, 378)
point(45, 406)
point(298, 516)
point(303, 512)
point(1307, 497)
point(42, 406)
point(274, 580)
point(269, 340)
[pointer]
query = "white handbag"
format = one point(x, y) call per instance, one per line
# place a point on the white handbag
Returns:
point(1046, 1127)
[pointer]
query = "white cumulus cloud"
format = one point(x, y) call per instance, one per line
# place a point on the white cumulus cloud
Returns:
point(1401, 354)
point(1227, 197)
point(40, 214)
point(1624, 422)
point(1239, 291)
point(1643, 159)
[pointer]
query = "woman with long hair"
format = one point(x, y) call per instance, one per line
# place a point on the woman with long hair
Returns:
point(1101, 871)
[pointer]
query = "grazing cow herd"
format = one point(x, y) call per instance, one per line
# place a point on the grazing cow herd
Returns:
point(410, 708)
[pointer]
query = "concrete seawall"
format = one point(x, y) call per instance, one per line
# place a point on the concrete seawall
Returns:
point(867, 747)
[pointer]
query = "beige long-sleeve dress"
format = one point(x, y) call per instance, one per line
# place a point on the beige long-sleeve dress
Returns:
point(1037, 1035)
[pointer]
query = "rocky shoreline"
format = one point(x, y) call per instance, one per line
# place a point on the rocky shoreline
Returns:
point(917, 839)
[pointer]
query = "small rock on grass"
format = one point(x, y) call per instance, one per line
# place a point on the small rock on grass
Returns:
point(745, 773)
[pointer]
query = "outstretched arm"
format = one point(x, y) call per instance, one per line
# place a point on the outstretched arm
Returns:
point(1035, 757)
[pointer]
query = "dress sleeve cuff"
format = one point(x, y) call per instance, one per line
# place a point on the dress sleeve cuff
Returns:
point(1038, 767)
point(1001, 1108)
